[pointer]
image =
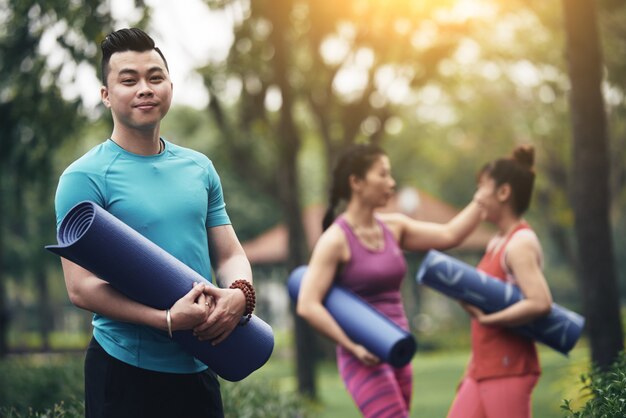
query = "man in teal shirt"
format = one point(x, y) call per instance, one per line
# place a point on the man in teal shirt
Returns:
point(172, 196)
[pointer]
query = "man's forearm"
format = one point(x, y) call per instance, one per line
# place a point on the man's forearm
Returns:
point(235, 268)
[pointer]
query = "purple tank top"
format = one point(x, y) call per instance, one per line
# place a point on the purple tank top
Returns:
point(375, 275)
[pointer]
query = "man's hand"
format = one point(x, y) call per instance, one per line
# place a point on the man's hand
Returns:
point(192, 309)
point(230, 304)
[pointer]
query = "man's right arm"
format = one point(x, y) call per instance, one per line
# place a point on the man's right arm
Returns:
point(88, 292)
point(84, 289)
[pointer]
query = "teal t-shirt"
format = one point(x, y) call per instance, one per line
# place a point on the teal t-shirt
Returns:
point(170, 198)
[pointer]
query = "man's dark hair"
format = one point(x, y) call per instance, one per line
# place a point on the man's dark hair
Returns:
point(132, 39)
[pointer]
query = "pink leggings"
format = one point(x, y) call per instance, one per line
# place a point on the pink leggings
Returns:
point(493, 398)
point(379, 391)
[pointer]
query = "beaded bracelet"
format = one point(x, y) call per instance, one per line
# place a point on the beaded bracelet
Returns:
point(248, 291)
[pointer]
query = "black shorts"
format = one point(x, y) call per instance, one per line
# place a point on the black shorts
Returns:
point(114, 389)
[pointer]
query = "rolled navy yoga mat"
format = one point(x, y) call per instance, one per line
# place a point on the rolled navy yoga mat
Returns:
point(101, 243)
point(560, 329)
point(362, 323)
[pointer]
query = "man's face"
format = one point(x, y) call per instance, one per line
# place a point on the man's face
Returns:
point(139, 91)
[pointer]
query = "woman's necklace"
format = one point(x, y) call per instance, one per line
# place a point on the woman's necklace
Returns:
point(370, 236)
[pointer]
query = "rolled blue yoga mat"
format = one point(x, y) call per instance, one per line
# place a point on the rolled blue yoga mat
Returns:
point(99, 242)
point(362, 323)
point(560, 329)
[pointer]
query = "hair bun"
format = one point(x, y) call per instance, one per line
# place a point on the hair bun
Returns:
point(524, 155)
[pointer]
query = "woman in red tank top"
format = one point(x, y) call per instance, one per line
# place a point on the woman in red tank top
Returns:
point(504, 367)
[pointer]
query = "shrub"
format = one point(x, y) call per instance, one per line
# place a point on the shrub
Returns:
point(605, 391)
point(60, 410)
point(40, 382)
point(261, 398)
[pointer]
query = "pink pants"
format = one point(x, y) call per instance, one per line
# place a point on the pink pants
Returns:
point(379, 391)
point(494, 398)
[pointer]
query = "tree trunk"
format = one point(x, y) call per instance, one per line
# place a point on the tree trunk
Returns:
point(4, 312)
point(44, 307)
point(590, 183)
point(289, 146)
point(298, 254)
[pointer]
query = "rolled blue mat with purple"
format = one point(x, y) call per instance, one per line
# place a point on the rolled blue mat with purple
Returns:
point(560, 329)
point(101, 243)
point(362, 323)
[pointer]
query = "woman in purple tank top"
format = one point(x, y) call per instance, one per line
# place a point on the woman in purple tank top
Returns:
point(362, 250)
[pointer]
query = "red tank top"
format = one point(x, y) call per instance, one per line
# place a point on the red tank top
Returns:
point(499, 351)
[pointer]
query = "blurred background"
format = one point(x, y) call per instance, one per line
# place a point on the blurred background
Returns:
point(271, 91)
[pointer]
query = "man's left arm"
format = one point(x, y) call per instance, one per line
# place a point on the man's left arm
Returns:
point(229, 304)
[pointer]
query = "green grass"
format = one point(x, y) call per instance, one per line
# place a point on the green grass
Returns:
point(58, 340)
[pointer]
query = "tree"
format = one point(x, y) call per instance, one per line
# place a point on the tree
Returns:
point(612, 18)
point(590, 182)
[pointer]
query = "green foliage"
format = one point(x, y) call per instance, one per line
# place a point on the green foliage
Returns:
point(60, 410)
point(58, 341)
point(39, 382)
point(37, 114)
point(604, 391)
point(261, 398)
